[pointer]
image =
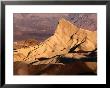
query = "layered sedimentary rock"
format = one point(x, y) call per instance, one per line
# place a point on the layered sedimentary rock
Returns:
point(67, 38)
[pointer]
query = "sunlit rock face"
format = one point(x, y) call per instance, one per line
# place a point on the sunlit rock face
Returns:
point(66, 38)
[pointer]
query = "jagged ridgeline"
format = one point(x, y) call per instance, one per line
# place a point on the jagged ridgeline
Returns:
point(66, 40)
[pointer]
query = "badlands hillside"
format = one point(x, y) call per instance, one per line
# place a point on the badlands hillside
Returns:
point(70, 50)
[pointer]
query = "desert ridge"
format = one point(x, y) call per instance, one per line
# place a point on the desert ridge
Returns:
point(66, 39)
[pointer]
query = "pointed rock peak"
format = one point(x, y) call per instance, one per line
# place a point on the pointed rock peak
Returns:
point(64, 21)
point(65, 27)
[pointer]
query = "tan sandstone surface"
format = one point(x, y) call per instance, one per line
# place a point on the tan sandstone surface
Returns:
point(66, 39)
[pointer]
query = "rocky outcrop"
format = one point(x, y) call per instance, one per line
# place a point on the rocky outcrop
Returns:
point(76, 68)
point(66, 39)
point(25, 43)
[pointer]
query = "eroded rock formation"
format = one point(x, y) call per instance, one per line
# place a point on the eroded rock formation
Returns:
point(66, 39)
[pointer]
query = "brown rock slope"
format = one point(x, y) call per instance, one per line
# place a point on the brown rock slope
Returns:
point(75, 68)
point(66, 39)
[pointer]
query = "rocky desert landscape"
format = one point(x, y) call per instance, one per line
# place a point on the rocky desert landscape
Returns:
point(55, 44)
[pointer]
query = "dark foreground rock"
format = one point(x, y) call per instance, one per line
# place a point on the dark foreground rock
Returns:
point(76, 68)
